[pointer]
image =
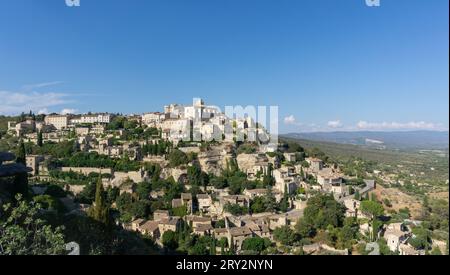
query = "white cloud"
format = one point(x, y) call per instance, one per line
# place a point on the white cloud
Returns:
point(289, 120)
point(413, 125)
point(17, 102)
point(335, 124)
point(44, 111)
point(68, 111)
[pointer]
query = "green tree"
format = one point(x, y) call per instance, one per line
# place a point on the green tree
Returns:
point(236, 183)
point(219, 224)
point(305, 229)
point(198, 249)
point(219, 182)
point(124, 202)
point(323, 211)
point(100, 210)
point(347, 235)
point(213, 245)
point(140, 209)
point(143, 190)
point(257, 205)
point(180, 211)
point(270, 201)
point(87, 196)
point(112, 193)
point(235, 209)
point(21, 153)
point(284, 204)
point(177, 158)
point(48, 202)
point(223, 243)
point(255, 244)
point(285, 235)
point(422, 237)
point(374, 210)
point(194, 175)
point(40, 140)
point(170, 239)
point(23, 232)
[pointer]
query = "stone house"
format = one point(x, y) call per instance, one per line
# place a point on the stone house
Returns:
point(220, 233)
point(168, 224)
point(315, 164)
point(329, 177)
point(196, 221)
point(150, 228)
point(290, 157)
point(159, 215)
point(395, 235)
point(33, 161)
point(176, 203)
point(204, 203)
point(240, 200)
point(203, 229)
point(237, 235)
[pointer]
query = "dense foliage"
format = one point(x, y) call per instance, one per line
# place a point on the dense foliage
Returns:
point(83, 159)
point(24, 232)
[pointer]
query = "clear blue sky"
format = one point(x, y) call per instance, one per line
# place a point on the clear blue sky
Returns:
point(327, 64)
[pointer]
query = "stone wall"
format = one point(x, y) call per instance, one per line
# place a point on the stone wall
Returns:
point(87, 170)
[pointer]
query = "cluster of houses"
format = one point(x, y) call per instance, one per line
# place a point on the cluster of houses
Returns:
point(291, 173)
point(235, 229)
point(59, 122)
point(201, 122)
point(396, 236)
point(206, 209)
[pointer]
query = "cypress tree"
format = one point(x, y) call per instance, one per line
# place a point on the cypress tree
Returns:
point(232, 250)
point(21, 154)
point(181, 235)
point(21, 184)
point(100, 210)
point(39, 139)
point(213, 245)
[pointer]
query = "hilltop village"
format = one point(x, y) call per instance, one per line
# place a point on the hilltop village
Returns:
point(226, 193)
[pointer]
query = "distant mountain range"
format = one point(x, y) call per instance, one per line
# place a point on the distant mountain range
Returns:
point(425, 140)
